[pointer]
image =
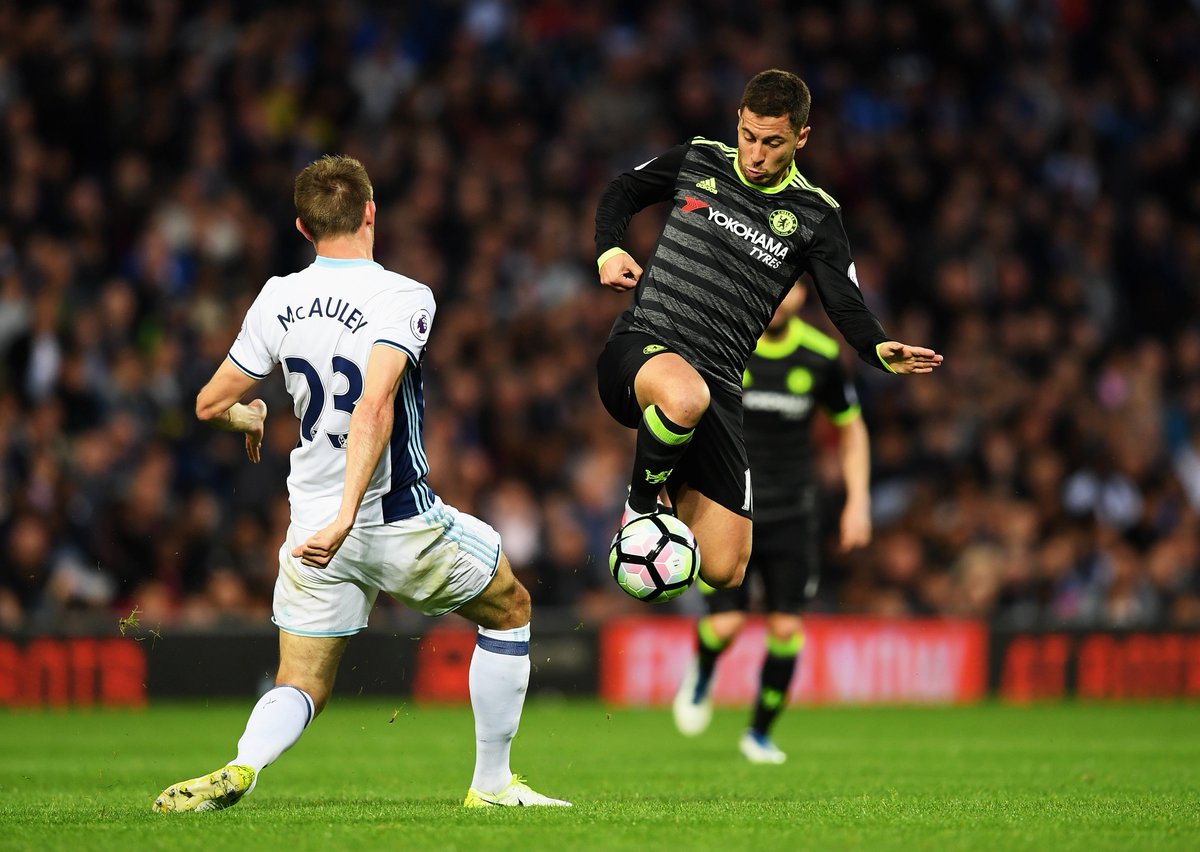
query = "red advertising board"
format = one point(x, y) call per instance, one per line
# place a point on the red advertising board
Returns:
point(1110, 666)
point(78, 671)
point(443, 665)
point(845, 660)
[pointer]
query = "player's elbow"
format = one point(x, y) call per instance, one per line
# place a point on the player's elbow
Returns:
point(207, 409)
point(375, 410)
point(372, 421)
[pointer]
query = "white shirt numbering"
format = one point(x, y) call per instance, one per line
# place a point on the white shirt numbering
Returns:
point(320, 324)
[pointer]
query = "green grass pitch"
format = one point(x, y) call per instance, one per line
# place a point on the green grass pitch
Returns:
point(1071, 776)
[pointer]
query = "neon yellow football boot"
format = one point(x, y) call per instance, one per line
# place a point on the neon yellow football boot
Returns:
point(210, 792)
point(516, 794)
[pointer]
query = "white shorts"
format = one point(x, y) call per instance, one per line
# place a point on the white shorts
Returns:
point(434, 563)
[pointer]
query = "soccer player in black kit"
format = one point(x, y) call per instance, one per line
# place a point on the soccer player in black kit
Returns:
point(745, 225)
point(794, 371)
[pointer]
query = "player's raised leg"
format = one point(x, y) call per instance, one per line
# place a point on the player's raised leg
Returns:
point(673, 397)
point(499, 679)
point(307, 668)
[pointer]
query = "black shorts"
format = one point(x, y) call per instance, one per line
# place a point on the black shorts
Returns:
point(715, 462)
point(785, 561)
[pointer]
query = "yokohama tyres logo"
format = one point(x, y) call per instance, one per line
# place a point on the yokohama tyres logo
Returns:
point(762, 246)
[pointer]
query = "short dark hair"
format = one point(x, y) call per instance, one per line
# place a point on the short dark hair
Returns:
point(775, 92)
point(330, 195)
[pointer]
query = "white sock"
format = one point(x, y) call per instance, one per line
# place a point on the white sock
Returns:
point(498, 680)
point(277, 721)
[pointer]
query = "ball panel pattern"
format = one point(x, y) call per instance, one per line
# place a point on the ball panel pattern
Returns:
point(654, 558)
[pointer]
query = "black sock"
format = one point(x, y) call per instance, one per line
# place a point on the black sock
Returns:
point(660, 443)
point(777, 671)
point(708, 649)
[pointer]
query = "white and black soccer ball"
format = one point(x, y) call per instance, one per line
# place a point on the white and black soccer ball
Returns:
point(654, 558)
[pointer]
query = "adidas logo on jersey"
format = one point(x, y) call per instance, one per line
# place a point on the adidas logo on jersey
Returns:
point(708, 185)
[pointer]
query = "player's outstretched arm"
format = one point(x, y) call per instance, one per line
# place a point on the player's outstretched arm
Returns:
point(217, 403)
point(370, 428)
point(904, 359)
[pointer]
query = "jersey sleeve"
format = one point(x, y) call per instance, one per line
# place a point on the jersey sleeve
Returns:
point(256, 350)
point(406, 323)
point(832, 271)
point(634, 190)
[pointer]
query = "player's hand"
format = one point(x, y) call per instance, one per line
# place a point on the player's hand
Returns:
point(620, 272)
point(254, 435)
point(905, 359)
point(321, 546)
point(855, 527)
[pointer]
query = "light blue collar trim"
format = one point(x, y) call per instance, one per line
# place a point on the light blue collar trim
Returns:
point(343, 262)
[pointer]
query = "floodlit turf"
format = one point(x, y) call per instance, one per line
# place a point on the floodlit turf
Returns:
point(1083, 777)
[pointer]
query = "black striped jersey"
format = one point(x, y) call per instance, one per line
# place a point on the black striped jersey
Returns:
point(784, 382)
point(728, 254)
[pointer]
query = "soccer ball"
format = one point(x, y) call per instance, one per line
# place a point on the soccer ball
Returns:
point(654, 557)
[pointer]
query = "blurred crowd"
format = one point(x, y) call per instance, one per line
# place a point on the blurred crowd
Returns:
point(1019, 179)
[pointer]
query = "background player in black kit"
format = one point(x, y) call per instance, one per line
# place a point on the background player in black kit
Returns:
point(744, 226)
point(793, 371)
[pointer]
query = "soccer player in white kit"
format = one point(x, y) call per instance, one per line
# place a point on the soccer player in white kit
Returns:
point(349, 336)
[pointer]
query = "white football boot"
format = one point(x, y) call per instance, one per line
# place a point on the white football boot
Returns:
point(692, 712)
point(758, 748)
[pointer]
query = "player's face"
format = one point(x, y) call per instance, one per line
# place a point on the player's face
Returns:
point(767, 144)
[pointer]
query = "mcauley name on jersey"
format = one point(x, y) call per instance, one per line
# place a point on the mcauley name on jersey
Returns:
point(329, 308)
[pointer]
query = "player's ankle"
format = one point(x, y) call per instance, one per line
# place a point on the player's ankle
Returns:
point(491, 783)
point(639, 504)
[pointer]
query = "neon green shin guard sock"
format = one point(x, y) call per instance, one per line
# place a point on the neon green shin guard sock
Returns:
point(776, 679)
point(660, 444)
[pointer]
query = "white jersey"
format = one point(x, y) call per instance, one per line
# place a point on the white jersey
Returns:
point(320, 324)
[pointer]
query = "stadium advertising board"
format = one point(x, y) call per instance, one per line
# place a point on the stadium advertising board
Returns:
point(845, 660)
point(111, 671)
point(1112, 666)
point(79, 671)
point(635, 661)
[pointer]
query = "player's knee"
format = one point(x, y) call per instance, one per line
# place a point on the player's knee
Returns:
point(686, 402)
point(727, 625)
point(783, 626)
point(517, 607)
